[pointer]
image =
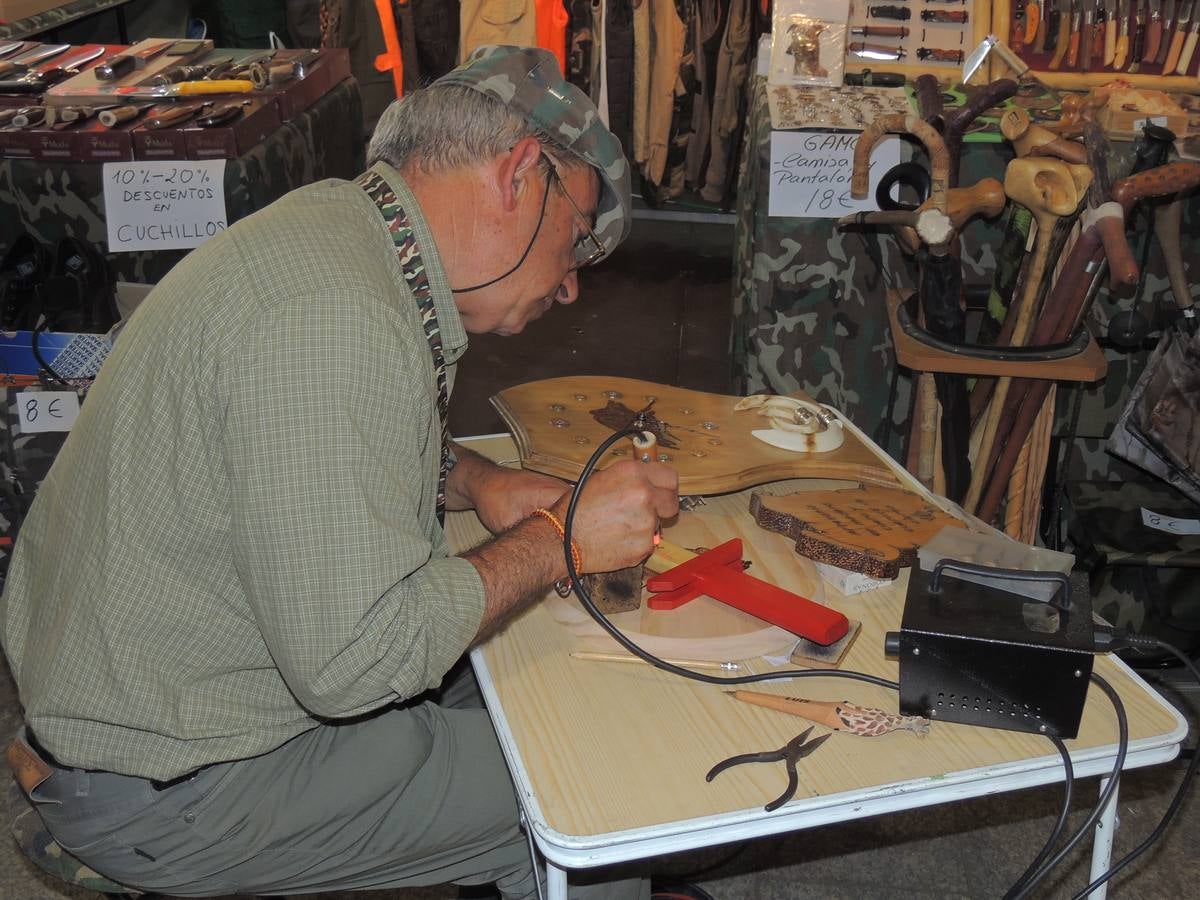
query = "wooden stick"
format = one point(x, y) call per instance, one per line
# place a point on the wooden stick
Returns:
point(597, 656)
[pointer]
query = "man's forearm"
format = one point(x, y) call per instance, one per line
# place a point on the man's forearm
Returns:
point(469, 470)
point(516, 567)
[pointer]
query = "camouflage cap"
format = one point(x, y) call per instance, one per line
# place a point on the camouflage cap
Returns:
point(527, 79)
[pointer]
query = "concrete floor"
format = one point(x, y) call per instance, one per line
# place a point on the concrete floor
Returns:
point(663, 300)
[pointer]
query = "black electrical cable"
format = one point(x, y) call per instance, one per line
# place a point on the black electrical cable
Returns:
point(1176, 801)
point(586, 599)
point(1016, 892)
point(1056, 832)
point(37, 353)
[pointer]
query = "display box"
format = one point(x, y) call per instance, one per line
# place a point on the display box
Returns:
point(934, 39)
point(808, 46)
point(1052, 58)
point(258, 119)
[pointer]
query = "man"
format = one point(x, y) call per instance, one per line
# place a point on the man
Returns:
point(234, 579)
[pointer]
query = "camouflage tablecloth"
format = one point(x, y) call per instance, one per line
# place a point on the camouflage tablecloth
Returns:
point(808, 304)
point(53, 201)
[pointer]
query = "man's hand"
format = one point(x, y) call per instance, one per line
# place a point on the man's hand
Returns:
point(501, 497)
point(619, 512)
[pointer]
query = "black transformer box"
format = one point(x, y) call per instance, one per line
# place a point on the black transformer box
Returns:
point(979, 655)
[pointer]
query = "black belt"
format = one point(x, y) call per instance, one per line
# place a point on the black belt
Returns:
point(36, 746)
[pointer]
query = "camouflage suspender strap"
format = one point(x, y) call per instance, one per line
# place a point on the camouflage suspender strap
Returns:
point(409, 256)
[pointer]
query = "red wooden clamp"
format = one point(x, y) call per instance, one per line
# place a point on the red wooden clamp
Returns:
point(718, 573)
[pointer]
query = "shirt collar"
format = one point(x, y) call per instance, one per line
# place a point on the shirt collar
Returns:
point(454, 335)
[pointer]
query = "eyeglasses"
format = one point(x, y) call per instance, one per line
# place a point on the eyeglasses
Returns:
point(588, 249)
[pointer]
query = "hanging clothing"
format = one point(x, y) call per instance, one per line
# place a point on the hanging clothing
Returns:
point(641, 80)
point(618, 70)
point(708, 25)
point(496, 22)
point(733, 67)
point(668, 36)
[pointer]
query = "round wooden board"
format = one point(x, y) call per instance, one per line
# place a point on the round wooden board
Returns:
point(704, 629)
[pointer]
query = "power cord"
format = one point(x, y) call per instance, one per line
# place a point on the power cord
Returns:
point(1022, 889)
point(1064, 811)
point(1115, 640)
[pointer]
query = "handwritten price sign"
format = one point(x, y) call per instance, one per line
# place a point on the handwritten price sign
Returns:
point(810, 173)
point(42, 411)
point(163, 205)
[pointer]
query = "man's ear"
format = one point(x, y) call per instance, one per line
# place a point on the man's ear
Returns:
point(517, 170)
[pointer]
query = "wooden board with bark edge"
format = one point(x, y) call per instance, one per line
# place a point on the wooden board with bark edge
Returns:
point(555, 432)
point(867, 529)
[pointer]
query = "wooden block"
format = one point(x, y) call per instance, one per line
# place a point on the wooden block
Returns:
point(830, 656)
point(868, 529)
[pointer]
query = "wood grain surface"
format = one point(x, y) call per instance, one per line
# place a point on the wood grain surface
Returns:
point(555, 431)
point(610, 747)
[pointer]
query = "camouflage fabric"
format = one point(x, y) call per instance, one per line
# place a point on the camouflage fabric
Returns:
point(43, 851)
point(54, 18)
point(528, 80)
point(1142, 578)
point(53, 201)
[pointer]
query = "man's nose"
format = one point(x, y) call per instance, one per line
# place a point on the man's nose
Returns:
point(568, 290)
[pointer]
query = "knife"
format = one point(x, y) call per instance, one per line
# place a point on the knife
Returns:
point(1016, 39)
point(23, 61)
point(124, 63)
point(1085, 36)
point(1154, 29)
point(1033, 18)
point(1182, 17)
point(28, 117)
point(222, 115)
point(1139, 37)
point(1189, 44)
point(1121, 53)
point(189, 73)
point(171, 116)
point(264, 75)
point(1039, 39)
point(875, 51)
point(35, 81)
point(1110, 31)
point(867, 78)
point(1064, 34)
point(899, 31)
point(6, 49)
point(1171, 12)
point(1073, 43)
point(115, 115)
point(182, 89)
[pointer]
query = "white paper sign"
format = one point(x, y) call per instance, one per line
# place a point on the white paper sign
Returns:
point(1169, 524)
point(47, 410)
point(163, 204)
point(810, 173)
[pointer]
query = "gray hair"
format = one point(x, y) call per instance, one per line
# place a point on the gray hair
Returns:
point(443, 127)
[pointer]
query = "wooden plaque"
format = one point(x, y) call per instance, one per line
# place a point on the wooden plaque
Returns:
point(554, 425)
point(872, 530)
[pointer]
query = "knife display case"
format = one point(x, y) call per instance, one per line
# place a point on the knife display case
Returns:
point(913, 37)
point(1151, 44)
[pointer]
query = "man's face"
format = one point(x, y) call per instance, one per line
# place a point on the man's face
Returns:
point(548, 274)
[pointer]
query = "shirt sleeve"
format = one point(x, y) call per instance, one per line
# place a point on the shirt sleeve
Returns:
point(330, 443)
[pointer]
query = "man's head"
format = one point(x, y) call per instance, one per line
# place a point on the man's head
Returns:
point(549, 183)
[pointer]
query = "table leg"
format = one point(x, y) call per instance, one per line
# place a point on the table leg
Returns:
point(1106, 830)
point(556, 882)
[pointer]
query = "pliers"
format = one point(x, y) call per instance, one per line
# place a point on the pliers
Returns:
point(791, 752)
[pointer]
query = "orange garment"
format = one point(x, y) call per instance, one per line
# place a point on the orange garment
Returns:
point(552, 22)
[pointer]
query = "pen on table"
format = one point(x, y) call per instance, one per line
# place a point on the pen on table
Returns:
point(687, 663)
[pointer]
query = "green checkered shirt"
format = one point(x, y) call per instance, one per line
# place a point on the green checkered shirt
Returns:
point(240, 535)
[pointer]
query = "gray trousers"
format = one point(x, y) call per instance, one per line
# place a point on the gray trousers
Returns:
point(417, 795)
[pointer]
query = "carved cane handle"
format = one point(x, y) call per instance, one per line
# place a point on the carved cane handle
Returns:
point(1024, 135)
point(939, 161)
point(985, 98)
point(1060, 148)
point(929, 99)
point(1159, 181)
point(1109, 220)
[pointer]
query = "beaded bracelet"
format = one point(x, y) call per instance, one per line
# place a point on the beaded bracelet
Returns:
point(550, 517)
